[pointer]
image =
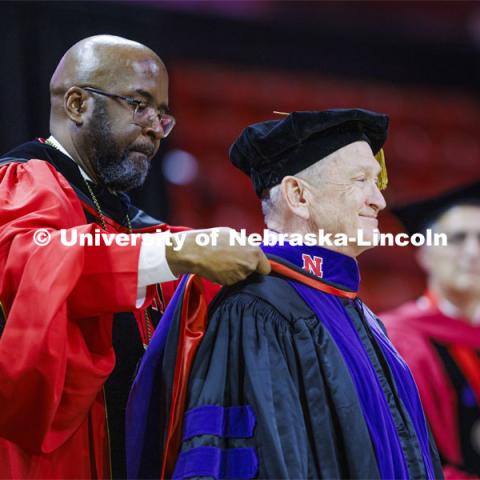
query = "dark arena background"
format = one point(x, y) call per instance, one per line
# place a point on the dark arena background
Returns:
point(233, 63)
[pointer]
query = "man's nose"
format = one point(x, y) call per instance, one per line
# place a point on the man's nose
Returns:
point(376, 198)
point(154, 129)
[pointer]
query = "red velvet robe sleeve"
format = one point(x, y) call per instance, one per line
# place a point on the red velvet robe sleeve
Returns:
point(55, 351)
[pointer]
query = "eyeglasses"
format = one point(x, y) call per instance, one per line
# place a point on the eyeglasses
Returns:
point(144, 115)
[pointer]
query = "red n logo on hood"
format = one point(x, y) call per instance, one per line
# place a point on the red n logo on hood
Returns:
point(313, 264)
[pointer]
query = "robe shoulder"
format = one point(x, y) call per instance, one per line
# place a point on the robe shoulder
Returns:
point(403, 328)
point(31, 180)
point(69, 172)
point(397, 317)
point(267, 294)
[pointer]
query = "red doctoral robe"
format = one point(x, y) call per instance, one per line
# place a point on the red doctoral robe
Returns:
point(56, 348)
point(415, 329)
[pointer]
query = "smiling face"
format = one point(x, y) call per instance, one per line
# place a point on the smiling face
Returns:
point(456, 267)
point(345, 197)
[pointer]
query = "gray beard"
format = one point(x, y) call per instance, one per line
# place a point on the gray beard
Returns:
point(121, 175)
point(113, 167)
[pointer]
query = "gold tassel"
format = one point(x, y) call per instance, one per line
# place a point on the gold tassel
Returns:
point(382, 176)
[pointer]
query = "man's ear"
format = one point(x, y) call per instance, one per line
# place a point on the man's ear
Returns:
point(295, 195)
point(75, 103)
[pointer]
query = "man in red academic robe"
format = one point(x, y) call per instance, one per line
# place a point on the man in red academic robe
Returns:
point(60, 304)
point(439, 333)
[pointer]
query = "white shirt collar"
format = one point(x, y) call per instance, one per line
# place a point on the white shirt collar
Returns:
point(60, 147)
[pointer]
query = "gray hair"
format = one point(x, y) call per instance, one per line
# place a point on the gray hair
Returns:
point(272, 202)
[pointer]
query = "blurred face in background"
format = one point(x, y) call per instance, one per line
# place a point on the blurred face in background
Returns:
point(456, 267)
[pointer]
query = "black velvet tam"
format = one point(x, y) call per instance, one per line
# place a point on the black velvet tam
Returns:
point(268, 151)
point(418, 216)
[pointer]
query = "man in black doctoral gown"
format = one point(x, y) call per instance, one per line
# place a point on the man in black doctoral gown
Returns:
point(295, 376)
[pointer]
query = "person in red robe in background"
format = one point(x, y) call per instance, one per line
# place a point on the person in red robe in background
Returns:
point(74, 320)
point(439, 333)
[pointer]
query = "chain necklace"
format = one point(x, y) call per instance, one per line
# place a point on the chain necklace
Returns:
point(148, 327)
point(97, 204)
point(100, 212)
point(146, 315)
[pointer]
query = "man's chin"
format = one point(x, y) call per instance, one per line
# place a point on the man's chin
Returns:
point(138, 158)
point(126, 183)
point(131, 175)
point(366, 233)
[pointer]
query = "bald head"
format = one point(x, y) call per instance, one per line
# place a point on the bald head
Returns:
point(97, 126)
point(103, 61)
